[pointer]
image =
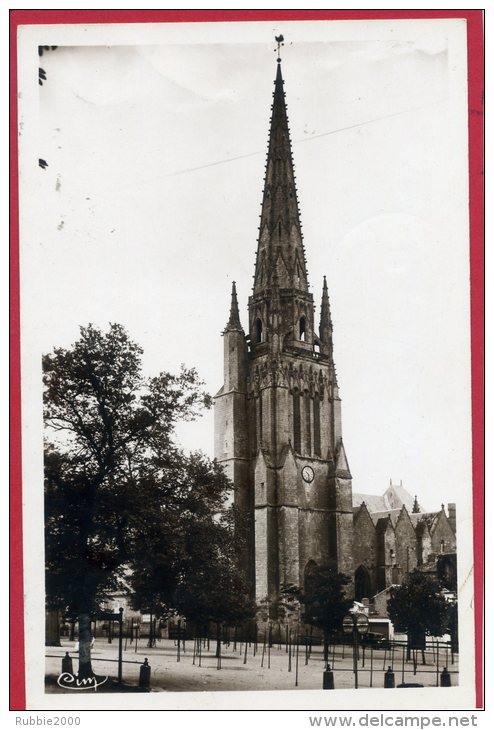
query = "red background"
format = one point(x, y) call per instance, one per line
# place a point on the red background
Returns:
point(476, 153)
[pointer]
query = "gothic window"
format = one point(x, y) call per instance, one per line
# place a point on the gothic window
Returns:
point(362, 583)
point(420, 548)
point(317, 426)
point(308, 435)
point(296, 421)
point(317, 347)
point(301, 329)
point(258, 330)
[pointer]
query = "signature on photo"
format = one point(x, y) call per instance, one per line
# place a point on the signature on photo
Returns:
point(67, 680)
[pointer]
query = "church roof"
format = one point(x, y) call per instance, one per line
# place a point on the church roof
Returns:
point(374, 502)
point(429, 518)
point(392, 514)
point(393, 498)
point(396, 496)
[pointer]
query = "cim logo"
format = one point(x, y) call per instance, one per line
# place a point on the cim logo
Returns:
point(70, 681)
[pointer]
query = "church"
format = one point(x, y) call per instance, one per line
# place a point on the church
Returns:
point(278, 426)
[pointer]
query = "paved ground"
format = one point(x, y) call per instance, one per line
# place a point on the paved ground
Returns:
point(272, 672)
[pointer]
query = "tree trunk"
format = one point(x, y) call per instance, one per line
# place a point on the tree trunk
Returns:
point(85, 668)
point(326, 648)
point(218, 640)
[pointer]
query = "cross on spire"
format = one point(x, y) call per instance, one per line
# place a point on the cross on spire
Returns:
point(280, 41)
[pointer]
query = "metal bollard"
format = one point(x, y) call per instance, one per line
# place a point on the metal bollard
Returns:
point(145, 675)
point(328, 679)
point(445, 678)
point(67, 667)
point(389, 679)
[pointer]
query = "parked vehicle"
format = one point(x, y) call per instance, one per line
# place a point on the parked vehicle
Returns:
point(377, 641)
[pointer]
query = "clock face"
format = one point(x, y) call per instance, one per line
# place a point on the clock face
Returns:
point(307, 474)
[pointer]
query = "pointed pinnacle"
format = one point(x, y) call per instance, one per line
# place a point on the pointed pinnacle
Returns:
point(325, 325)
point(234, 321)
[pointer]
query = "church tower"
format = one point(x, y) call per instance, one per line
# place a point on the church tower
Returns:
point(278, 415)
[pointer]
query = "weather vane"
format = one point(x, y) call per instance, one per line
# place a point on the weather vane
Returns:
point(279, 40)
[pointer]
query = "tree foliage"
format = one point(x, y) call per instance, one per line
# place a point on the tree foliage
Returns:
point(211, 588)
point(122, 502)
point(325, 600)
point(418, 607)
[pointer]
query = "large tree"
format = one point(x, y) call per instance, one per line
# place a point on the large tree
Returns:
point(112, 469)
point(418, 608)
point(212, 589)
point(188, 549)
point(325, 600)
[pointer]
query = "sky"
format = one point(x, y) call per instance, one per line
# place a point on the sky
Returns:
point(150, 203)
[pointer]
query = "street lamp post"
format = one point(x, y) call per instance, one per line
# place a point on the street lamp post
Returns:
point(356, 625)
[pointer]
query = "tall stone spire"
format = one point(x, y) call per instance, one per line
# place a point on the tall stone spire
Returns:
point(234, 320)
point(280, 248)
point(278, 431)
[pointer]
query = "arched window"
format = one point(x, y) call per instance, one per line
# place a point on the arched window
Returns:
point(362, 583)
point(317, 426)
point(259, 429)
point(301, 329)
point(420, 545)
point(258, 330)
point(308, 435)
point(296, 420)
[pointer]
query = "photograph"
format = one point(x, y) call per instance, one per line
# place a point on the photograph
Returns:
point(245, 285)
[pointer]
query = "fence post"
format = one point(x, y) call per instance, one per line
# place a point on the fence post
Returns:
point(445, 678)
point(296, 659)
point(67, 667)
point(120, 643)
point(145, 675)
point(327, 679)
point(355, 655)
point(389, 679)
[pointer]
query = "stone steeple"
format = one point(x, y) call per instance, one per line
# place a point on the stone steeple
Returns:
point(280, 249)
point(278, 413)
